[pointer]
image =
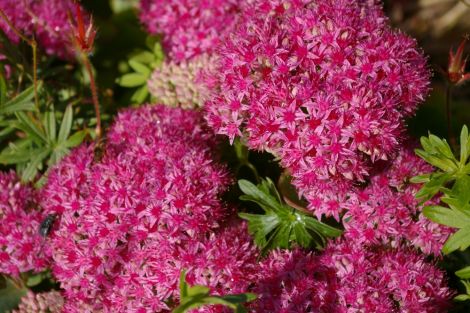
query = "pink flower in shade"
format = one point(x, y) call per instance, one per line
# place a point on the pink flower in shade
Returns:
point(295, 281)
point(387, 211)
point(47, 20)
point(323, 85)
point(179, 84)
point(383, 280)
point(45, 302)
point(22, 249)
point(130, 222)
point(190, 27)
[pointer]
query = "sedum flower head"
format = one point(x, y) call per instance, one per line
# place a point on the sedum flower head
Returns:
point(387, 211)
point(131, 222)
point(295, 281)
point(179, 85)
point(22, 249)
point(189, 27)
point(46, 20)
point(45, 302)
point(383, 279)
point(323, 85)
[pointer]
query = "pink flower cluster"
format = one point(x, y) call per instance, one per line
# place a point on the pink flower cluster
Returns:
point(387, 211)
point(190, 27)
point(382, 280)
point(295, 281)
point(323, 85)
point(350, 278)
point(45, 302)
point(132, 221)
point(22, 249)
point(47, 20)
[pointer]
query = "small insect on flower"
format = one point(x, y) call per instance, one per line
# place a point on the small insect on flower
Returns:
point(46, 225)
point(99, 150)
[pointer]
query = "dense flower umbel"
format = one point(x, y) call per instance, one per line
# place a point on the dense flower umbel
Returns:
point(130, 222)
point(382, 280)
point(189, 27)
point(47, 20)
point(179, 85)
point(295, 281)
point(324, 85)
point(21, 247)
point(387, 212)
point(45, 302)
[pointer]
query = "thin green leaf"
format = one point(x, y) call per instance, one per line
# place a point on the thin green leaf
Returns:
point(76, 139)
point(462, 297)
point(22, 102)
point(140, 68)
point(65, 125)
point(50, 125)
point(458, 241)
point(445, 216)
point(464, 273)
point(33, 166)
point(3, 90)
point(28, 125)
point(442, 146)
point(132, 80)
point(140, 95)
point(444, 164)
point(183, 285)
point(250, 189)
point(464, 145)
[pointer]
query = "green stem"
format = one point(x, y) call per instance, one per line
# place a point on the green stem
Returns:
point(450, 133)
point(94, 94)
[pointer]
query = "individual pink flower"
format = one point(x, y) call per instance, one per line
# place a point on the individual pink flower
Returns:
point(46, 20)
point(131, 221)
point(387, 211)
point(190, 27)
point(323, 85)
point(45, 302)
point(295, 281)
point(22, 249)
point(381, 279)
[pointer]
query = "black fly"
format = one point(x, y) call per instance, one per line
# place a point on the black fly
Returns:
point(46, 225)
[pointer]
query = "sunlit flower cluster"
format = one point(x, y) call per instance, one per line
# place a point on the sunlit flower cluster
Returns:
point(131, 221)
point(323, 85)
point(22, 248)
point(295, 281)
point(387, 211)
point(383, 279)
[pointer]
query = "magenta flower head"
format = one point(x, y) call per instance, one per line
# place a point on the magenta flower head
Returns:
point(383, 279)
point(46, 20)
point(323, 85)
point(22, 249)
point(295, 281)
point(189, 27)
point(130, 222)
point(387, 211)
